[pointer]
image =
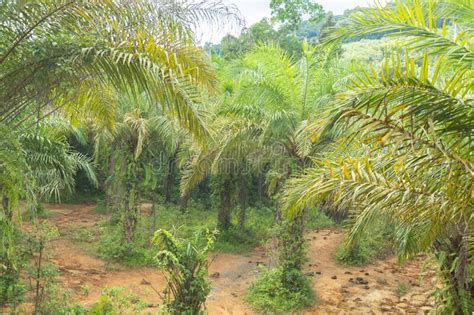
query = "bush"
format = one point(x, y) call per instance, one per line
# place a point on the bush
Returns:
point(12, 265)
point(58, 302)
point(376, 243)
point(184, 263)
point(115, 301)
point(138, 253)
point(272, 293)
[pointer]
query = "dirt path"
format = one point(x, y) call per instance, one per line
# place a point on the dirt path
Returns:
point(340, 289)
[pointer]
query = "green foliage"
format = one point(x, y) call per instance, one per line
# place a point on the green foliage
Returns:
point(59, 301)
point(411, 118)
point(184, 263)
point(116, 301)
point(137, 253)
point(12, 265)
point(376, 243)
point(402, 289)
point(290, 13)
point(270, 293)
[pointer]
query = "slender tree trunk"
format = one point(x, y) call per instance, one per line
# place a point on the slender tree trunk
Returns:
point(130, 219)
point(275, 239)
point(223, 218)
point(108, 199)
point(243, 200)
point(153, 215)
point(169, 177)
point(38, 280)
point(183, 203)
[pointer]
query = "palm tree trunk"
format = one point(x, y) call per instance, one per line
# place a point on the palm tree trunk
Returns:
point(243, 200)
point(223, 218)
point(454, 267)
point(108, 199)
point(292, 243)
point(183, 203)
point(169, 177)
point(130, 219)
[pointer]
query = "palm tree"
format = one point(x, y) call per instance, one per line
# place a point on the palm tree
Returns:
point(63, 54)
point(52, 161)
point(52, 52)
point(143, 139)
point(414, 117)
point(262, 122)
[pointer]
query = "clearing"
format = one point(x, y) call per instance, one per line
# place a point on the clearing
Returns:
point(377, 288)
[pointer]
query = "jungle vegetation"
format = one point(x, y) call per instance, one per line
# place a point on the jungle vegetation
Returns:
point(364, 119)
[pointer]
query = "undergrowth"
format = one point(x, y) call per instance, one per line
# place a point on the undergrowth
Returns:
point(271, 294)
point(376, 243)
point(258, 229)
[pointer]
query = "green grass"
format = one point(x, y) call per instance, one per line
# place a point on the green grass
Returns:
point(271, 294)
point(105, 239)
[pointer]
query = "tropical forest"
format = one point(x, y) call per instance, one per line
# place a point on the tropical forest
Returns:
point(236, 157)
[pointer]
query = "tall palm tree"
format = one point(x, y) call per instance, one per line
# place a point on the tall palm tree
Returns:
point(262, 120)
point(142, 140)
point(414, 117)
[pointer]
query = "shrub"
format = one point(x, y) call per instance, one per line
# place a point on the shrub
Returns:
point(272, 293)
point(184, 263)
point(138, 253)
point(115, 301)
point(376, 243)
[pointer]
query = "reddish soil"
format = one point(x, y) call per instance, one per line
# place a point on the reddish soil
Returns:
point(340, 289)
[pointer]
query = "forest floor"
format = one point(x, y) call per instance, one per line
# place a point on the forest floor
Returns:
point(380, 287)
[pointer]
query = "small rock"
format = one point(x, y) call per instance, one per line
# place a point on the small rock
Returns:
point(382, 281)
point(233, 294)
point(310, 274)
point(366, 273)
point(402, 305)
point(314, 237)
point(347, 273)
point(325, 238)
point(357, 299)
point(334, 277)
point(215, 275)
point(351, 280)
point(318, 272)
point(366, 287)
point(385, 308)
point(250, 261)
point(360, 280)
point(145, 282)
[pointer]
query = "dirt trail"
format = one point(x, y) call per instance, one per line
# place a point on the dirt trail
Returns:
point(340, 289)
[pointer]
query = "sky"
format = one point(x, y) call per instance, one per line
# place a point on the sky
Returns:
point(254, 10)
